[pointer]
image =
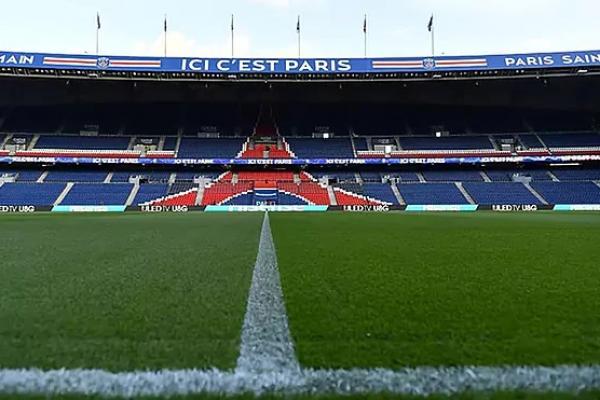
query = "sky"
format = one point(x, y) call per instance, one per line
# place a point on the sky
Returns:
point(329, 28)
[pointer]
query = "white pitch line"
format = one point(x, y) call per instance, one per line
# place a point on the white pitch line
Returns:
point(267, 364)
point(266, 342)
point(416, 381)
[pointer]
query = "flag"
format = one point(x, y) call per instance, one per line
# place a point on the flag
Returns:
point(365, 24)
point(430, 24)
point(98, 24)
point(231, 22)
point(165, 23)
point(298, 25)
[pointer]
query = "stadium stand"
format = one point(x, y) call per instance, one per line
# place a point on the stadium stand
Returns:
point(97, 194)
point(220, 192)
point(210, 148)
point(507, 175)
point(76, 176)
point(25, 175)
point(179, 187)
point(152, 176)
point(243, 199)
point(288, 199)
point(446, 143)
point(170, 143)
point(273, 176)
point(82, 142)
point(570, 140)
point(370, 176)
point(360, 144)
point(452, 176)
point(350, 184)
point(340, 176)
point(315, 148)
point(35, 194)
point(500, 193)
point(431, 193)
point(577, 174)
point(401, 176)
point(149, 192)
point(568, 192)
point(313, 192)
point(380, 191)
point(531, 141)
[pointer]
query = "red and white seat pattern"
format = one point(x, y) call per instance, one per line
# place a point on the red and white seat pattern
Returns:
point(187, 198)
point(266, 151)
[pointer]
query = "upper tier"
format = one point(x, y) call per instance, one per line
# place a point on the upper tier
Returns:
point(348, 147)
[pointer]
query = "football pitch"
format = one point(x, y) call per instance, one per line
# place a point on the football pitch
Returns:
point(365, 292)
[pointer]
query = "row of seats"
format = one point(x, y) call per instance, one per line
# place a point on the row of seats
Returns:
point(210, 148)
point(495, 175)
point(28, 175)
point(337, 147)
point(467, 142)
point(429, 193)
point(503, 175)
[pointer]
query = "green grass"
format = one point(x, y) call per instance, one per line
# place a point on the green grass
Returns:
point(394, 290)
point(124, 292)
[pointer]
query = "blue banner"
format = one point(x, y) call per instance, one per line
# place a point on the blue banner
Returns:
point(575, 59)
point(301, 161)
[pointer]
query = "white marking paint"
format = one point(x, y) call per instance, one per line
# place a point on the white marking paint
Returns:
point(266, 343)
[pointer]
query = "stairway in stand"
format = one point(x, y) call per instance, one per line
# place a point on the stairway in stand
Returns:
point(265, 141)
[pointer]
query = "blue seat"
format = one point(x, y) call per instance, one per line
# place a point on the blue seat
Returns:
point(210, 148)
point(500, 193)
point(568, 192)
point(83, 142)
point(110, 194)
point(571, 140)
point(577, 174)
point(76, 176)
point(244, 199)
point(431, 194)
point(452, 176)
point(149, 192)
point(321, 148)
point(380, 191)
point(446, 143)
point(35, 194)
point(287, 199)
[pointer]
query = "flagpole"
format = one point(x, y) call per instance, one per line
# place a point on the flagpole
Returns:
point(97, 33)
point(165, 35)
point(365, 34)
point(232, 38)
point(432, 39)
point(299, 37)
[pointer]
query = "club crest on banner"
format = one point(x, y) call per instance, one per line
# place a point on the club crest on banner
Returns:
point(103, 62)
point(429, 63)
